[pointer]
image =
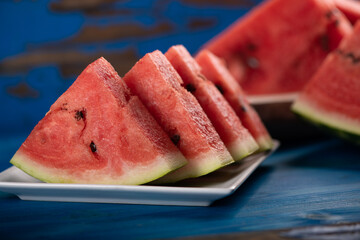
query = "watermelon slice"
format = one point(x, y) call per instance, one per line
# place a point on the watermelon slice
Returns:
point(98, 132)
point(236, 137)
point(215, 70)
point(158, 85)
point(331, 99)
point(278, 46)
point(350, 8)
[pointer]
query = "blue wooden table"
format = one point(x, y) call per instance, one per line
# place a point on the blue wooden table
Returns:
point(302, 184)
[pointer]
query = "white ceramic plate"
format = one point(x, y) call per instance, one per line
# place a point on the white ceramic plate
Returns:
point(200, 191)
point(272, 98)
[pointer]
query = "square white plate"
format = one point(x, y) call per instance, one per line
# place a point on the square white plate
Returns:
point(200, 191)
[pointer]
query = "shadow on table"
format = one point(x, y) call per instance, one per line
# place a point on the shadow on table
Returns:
point(333, 153)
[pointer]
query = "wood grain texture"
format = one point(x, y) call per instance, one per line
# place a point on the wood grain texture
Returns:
point(46, 44)
point(303, 184)
point(350, 231)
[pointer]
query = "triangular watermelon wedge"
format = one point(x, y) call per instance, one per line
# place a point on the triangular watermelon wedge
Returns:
point(331, 98)
point(236, 137)
point(215, 70)
point(98, 132)
point(158, 86)
point(278, 46)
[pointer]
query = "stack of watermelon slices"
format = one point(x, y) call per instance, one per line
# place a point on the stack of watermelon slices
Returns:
point(215, 70)
point(174, 117)
point(158, 86)
point(236, 137)
point(163, 121)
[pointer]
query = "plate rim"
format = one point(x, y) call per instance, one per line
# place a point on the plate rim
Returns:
point(267, 99)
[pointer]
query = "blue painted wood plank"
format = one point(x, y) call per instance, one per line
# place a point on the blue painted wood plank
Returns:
point(36, 34)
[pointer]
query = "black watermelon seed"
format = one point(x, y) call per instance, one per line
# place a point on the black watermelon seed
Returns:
point(93, 146)
point(80, 115)
point(175, 139)
point(251, 47)
point(350, 55)
point(190, 87)
point(64, 107)
point(324, 42)
point(329, 14)
point(353, 58)
point(243, 108)
point(356, 60)
point(220, 88)
point(253, 62)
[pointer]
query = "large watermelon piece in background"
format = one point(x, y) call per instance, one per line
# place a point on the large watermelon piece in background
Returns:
point(236, 137)
point(158, 85)
point(215, 70)
point(331, 99)
point(278, 46)
point(97, 132)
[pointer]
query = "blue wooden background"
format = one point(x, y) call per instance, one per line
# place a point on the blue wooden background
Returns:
point(45, 44)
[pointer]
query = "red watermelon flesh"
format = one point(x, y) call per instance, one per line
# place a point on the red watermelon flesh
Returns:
point(276, 41)
point(350, 8)
point(331, 98)
point(158, 85)
point(295, 77)
point(215, 70)
point(236, 137)
point(98, 132)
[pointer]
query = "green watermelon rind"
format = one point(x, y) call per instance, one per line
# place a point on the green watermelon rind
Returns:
point(332, 123)
point(21, 161)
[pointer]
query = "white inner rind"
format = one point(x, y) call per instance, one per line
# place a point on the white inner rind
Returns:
point(132, 176)
point(308, 109)
point(265, 143)
point(240, 148)
point(199, 166)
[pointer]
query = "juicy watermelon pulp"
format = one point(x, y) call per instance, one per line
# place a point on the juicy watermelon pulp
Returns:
point(235, 136)
point(331, 99)
point(158, 85)
point(350, 8)
point(279, 45)
point(214, 70)
point(98, 132)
